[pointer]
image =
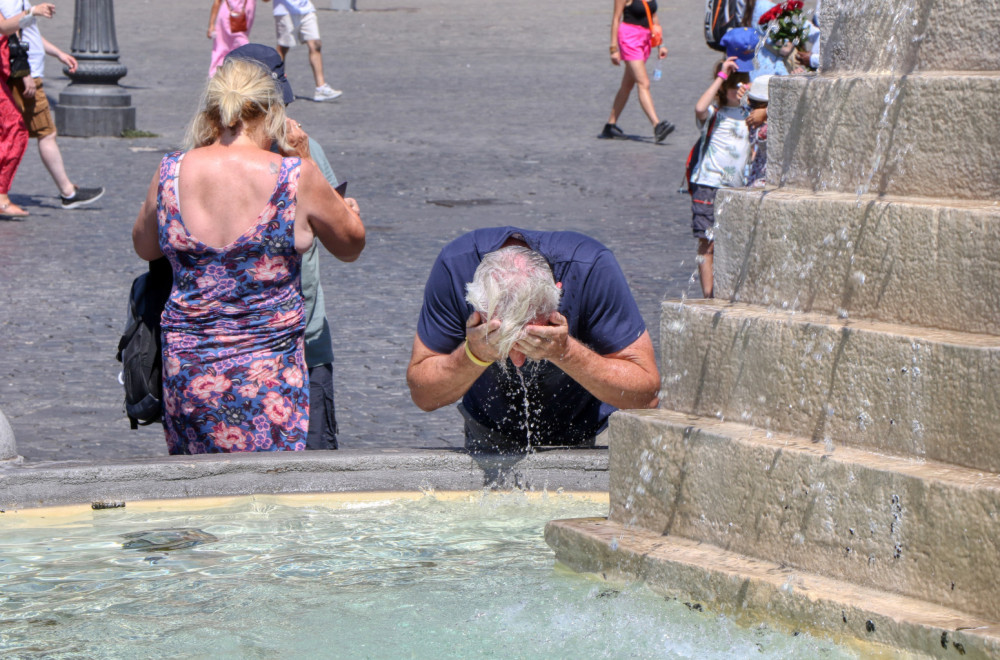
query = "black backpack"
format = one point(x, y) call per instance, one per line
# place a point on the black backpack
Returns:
point(139, 348)
point(720, 16)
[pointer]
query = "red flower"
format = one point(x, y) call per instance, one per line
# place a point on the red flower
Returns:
point(770, 15)
point(793, 5)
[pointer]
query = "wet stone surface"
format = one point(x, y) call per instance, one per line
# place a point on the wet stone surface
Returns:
point(475, 115)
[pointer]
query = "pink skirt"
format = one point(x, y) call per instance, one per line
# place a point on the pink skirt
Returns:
point(633, 42)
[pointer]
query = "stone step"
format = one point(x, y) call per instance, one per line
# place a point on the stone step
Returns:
point(918, 528)
point(901, 35)
point(895, 389)
point(750, 590)
point(899, 260)
point(924, 135)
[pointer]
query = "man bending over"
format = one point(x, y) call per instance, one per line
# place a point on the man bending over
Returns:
point(537, 333)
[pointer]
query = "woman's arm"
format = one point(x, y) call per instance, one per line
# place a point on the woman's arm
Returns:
point(145, 233)
point(212, 17)
point(662, 53)
point(329, 217)
point(11, 24)
point(616, 19)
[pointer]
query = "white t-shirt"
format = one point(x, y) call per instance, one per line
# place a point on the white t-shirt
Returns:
point(30, 35)
point(724, 163)
point(294, 7)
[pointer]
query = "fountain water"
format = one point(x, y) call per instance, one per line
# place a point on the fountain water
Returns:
point(825, 452)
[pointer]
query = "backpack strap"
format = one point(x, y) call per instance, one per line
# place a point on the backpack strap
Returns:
point(706, 135)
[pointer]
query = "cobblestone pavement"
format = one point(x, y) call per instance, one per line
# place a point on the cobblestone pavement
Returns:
point(455, 115)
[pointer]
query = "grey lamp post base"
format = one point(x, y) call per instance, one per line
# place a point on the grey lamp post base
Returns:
point(94, 103)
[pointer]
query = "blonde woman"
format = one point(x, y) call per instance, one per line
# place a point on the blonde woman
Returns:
point(631, 43)
point(233, 219)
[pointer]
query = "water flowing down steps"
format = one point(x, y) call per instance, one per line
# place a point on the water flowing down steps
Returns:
point(738, 585)
point(772, 525)
point(891, 388)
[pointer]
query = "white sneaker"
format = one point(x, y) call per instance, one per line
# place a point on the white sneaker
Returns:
point(326, 93)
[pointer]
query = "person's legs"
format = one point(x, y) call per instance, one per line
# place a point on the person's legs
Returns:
point(316, 60)
point(322, 415)
point(638, 70)
point(703, 227)
point(621, 98)
point(706, 252)
point(48, 149)
point(13, 142)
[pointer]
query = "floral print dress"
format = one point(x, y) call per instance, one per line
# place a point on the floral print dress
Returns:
point(234, 373)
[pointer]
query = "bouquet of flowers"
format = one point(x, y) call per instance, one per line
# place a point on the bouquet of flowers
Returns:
point(784, 23)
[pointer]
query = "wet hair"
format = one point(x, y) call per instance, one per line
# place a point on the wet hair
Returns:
point(734, 79)
point(241, 91)
point(515, 285)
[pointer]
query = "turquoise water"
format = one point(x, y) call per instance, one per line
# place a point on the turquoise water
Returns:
point(427, 578)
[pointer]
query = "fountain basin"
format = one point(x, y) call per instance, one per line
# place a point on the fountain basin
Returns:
point(449, 575)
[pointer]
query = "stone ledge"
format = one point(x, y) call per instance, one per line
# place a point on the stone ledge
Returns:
point(897, 260)
point(752, 590)
point(886, 134)
point(58, 483)
point(895, 389)
point(913, 527)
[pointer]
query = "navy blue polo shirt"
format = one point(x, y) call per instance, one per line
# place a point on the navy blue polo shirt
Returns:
point(540, 402)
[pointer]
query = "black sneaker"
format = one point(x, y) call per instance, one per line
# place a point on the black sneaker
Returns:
point(662, 130)
point(82, 196)
point(611, 131)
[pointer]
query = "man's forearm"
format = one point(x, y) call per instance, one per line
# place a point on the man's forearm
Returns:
point(627, 379)
point(441, 379)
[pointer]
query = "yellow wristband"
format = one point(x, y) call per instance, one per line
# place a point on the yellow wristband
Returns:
point(473, 358)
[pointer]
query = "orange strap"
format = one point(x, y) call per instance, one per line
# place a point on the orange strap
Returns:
point(649, 17)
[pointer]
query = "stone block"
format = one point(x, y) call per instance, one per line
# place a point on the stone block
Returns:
point(900, 260)
point(925, 135)
point(907, 36)
point(895, 389)
point(8, 448)
point(906, 526)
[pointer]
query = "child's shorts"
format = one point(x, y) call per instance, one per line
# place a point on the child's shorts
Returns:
point(703, 211)
point(633, 42)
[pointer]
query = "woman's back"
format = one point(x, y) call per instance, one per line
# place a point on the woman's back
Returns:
point(222, 191)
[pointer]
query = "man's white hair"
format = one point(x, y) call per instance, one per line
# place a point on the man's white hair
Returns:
point(515, 285)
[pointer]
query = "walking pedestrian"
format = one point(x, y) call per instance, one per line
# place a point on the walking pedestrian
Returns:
point(229, 25)
point(295, 23)
point(28, 93)
point(634, 29)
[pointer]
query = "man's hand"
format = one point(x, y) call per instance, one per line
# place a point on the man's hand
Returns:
point(29, 87)
point(68, 61)
point(297, 139)
point(545, 342)
point(477, 335)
